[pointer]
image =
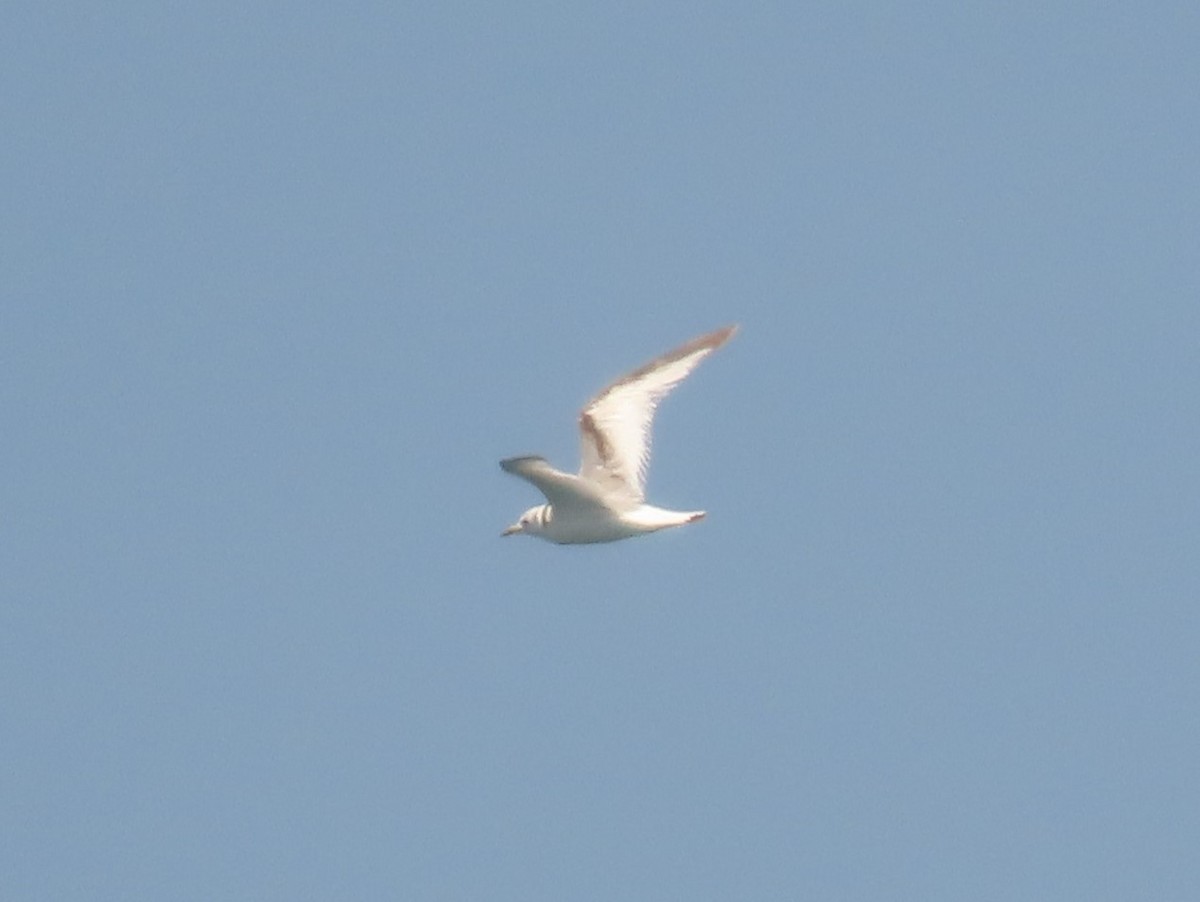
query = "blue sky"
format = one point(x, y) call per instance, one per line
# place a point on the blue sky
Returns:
point(283, 282)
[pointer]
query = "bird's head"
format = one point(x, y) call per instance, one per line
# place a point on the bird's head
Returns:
point(532, 522)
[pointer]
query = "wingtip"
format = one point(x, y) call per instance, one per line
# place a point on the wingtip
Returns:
point(509, 464)
point(718, 337)
point(710, 341)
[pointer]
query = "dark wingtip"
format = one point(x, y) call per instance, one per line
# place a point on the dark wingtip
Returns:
point(509, 464)
point(712, 340)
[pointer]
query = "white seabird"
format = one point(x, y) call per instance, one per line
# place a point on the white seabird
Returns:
point(607, 500)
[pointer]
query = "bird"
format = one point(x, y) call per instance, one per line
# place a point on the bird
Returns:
point(606, 501)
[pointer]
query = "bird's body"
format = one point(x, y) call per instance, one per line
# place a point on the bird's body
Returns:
point(606, 501)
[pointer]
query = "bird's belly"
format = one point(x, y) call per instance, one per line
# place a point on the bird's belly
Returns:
point(590, 530)
point(583, 529)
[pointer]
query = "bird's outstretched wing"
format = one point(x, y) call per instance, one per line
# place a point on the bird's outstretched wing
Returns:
point(615, 425)
point(566, 492)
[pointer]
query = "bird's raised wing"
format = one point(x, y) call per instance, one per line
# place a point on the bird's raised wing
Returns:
point(566, 492)
point(615, 425)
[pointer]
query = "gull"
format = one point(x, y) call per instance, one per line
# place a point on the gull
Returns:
point(607, 500)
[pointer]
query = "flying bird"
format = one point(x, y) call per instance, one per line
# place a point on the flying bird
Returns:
point(607, 500)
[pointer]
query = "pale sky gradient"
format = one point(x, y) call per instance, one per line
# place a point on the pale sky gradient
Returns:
point(283, 282)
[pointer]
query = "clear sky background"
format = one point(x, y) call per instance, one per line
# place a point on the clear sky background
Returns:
point(281, 284)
